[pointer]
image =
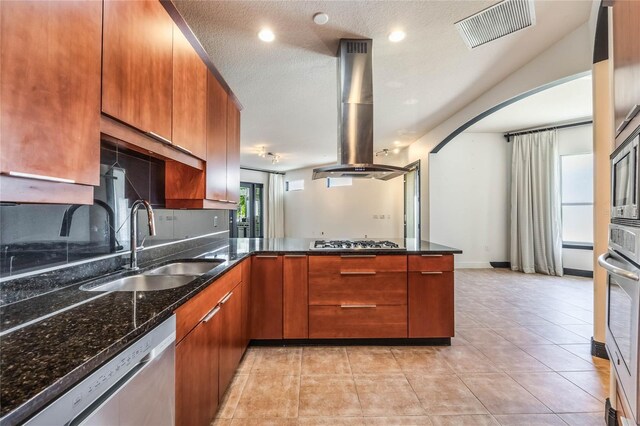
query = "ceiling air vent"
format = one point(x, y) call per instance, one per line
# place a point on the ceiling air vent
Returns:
point(497, 21)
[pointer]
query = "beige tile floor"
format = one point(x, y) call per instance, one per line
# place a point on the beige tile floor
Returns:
point(520, 357)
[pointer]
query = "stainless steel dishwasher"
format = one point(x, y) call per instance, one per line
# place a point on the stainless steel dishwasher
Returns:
point(136, 387)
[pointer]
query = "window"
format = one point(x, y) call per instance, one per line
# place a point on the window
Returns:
point(295, 185)
point(339, 181)
point(577, 198)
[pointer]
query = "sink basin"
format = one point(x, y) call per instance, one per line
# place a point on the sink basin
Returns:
point(142, 283)
point(185, 268)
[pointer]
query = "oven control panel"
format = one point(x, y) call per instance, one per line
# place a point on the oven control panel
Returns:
point(626, 240)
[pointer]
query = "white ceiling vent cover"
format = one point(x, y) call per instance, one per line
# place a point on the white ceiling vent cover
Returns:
point(497, 21)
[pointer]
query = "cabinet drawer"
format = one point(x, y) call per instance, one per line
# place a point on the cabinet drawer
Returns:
point(190, 314)
point(363, 287)
point(431, 262)
point(328, 322)
point(357, 262)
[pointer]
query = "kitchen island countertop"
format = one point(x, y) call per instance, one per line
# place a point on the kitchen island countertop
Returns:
point(51, 341)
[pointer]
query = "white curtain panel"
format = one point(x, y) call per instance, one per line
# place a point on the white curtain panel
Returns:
point(275, 206)
point(536, 224)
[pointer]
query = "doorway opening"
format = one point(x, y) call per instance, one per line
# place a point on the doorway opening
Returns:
point(412, 201)
point(248, 220)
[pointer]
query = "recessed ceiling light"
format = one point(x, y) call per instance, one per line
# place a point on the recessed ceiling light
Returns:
point(266, 35)
point(397, 143)
point(397, 36)
point(320, 18)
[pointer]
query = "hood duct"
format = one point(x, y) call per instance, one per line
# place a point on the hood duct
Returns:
point(355, 116)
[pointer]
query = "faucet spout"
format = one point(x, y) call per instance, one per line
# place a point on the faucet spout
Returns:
point(133, 263)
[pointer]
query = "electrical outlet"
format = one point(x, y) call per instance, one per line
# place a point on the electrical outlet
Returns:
point(215, 221)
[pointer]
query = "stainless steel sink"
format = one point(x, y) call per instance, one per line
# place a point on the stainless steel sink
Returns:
point(185, 268)
point(142, 283)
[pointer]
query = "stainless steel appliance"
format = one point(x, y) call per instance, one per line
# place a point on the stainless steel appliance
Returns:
point(355, 116)
point(354, 245)
point(137, 387)
point(622, 263)
point(625, 189)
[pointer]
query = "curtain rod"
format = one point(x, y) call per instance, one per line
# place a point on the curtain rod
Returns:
point(262, 170)
point(508, 135)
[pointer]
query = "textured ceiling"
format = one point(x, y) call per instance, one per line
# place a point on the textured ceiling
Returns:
point(288, 87)
point(565, 102)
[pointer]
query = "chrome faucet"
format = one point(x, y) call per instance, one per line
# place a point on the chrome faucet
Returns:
point(133, 263)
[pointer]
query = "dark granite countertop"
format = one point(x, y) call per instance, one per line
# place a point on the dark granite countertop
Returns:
point(55, 337)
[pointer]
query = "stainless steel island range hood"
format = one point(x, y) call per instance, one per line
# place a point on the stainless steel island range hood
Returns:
point(355, 116)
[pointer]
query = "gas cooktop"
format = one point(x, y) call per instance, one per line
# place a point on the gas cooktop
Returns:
point(354, 245)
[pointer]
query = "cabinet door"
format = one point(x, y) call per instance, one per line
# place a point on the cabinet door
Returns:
point(626, 59)
point(295, 297)
point(137, 65)
point(50, 89)
point(230, 337)
point(216, 186)
point(189, 97)
point(233, 152)
point(266, 297)
point(431, 310)
point(197, 374)
point(246, 303)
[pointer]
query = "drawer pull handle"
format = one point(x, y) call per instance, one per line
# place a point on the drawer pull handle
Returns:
point(211, 314)
point(41, 177)
point(225, 298)
point(357, 272)
point(431, 255)
point(183, 149)
point(355, 256)
point(295, 255)
point(159, 138)
point(358, 306)
point(264, 256)
point(431, 273)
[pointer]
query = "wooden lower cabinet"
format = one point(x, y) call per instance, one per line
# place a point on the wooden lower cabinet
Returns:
point(266, 297)
point(357, 321)
point(295, 297)
point(431, 307)
point(230, 337)
point(245, 266)
point(197, 374)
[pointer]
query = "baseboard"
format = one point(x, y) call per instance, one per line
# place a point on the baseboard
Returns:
point(500, 265)
point(578, 272)
point(599, 349)
point(430, 341)
point(473, 265)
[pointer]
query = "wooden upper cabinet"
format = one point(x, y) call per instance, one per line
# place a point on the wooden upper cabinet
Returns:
point(233, 151)
point(137, 65)
point(216, 174)
point(626, 62)
point(189, 97)
point(50, 95)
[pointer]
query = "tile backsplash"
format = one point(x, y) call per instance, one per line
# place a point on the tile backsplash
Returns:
point(37, 236)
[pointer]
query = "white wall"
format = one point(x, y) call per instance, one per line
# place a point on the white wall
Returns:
point(469, 196)
point(566, 58)
point(344, 212)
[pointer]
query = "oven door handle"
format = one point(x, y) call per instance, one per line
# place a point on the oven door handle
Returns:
point(602, 261)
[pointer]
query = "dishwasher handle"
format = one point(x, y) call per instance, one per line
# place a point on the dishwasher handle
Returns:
point(615, 270)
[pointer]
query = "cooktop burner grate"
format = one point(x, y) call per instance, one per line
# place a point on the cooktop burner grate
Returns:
point(354, 245)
